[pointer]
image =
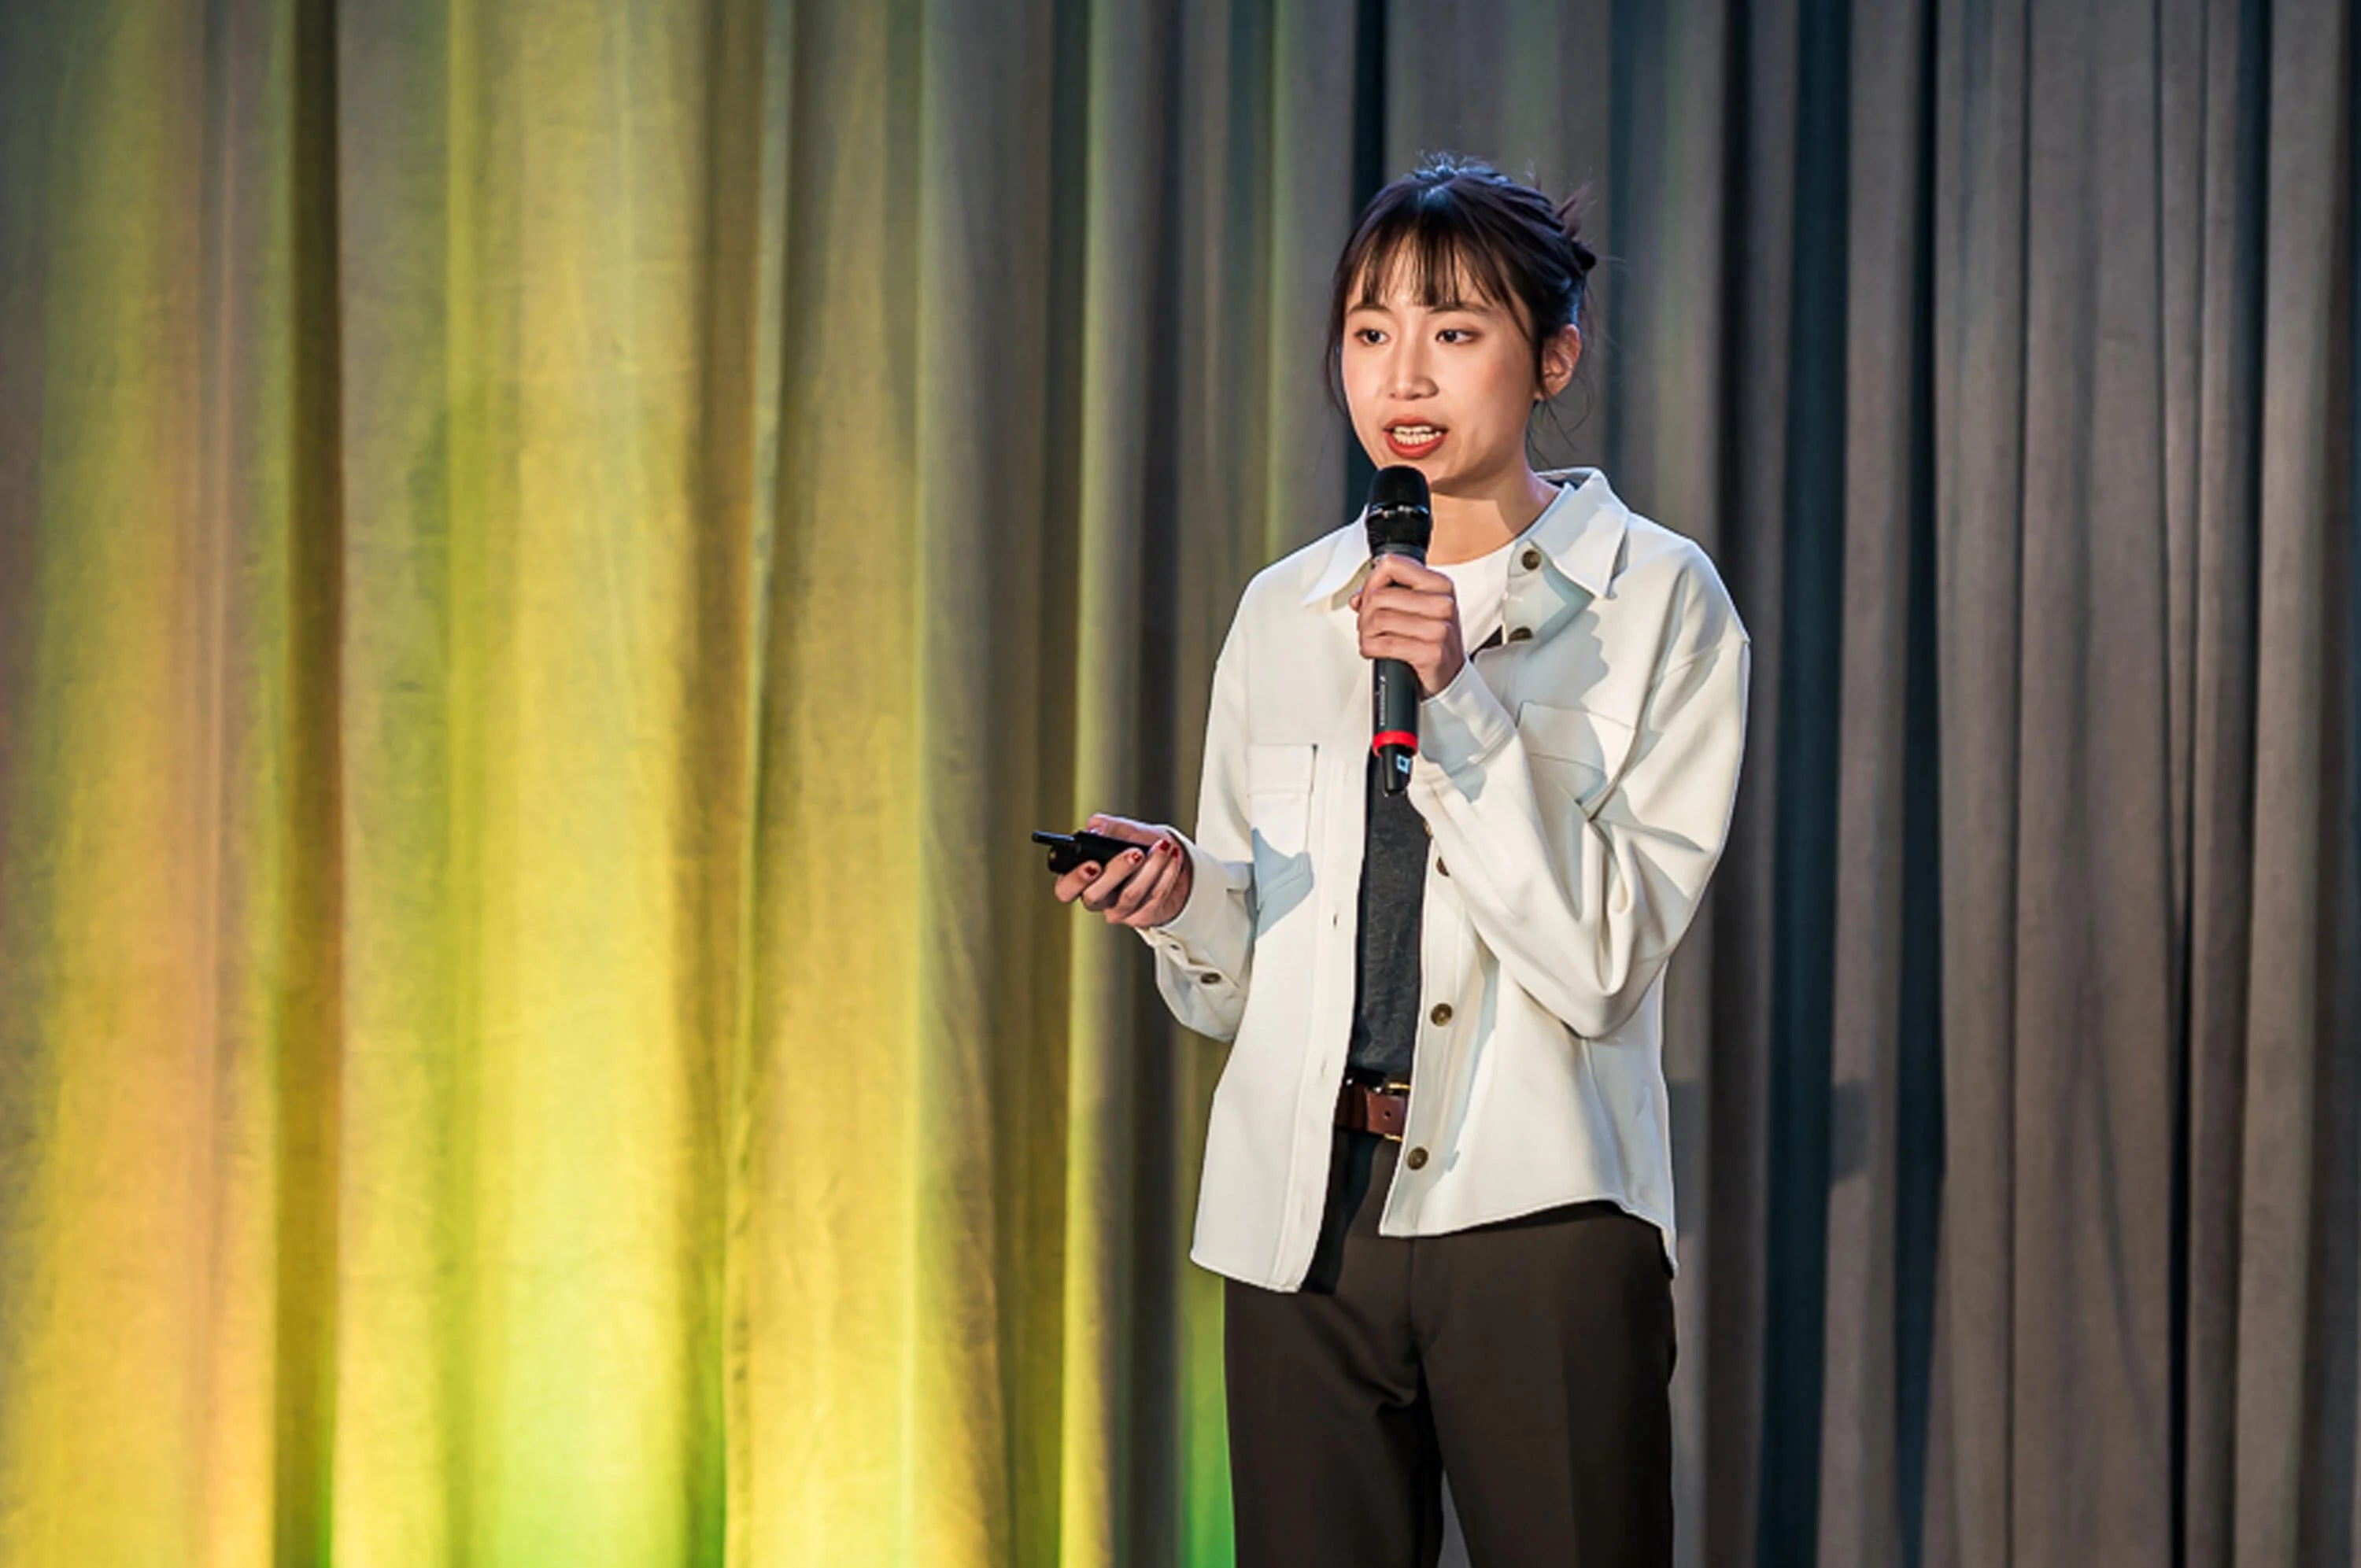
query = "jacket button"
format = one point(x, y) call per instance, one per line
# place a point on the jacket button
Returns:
point(1530, 559)
point(1209, 980)
point(1441, 1014)
point(1440, 867)
point(1521, 634)
point(1415, 1160)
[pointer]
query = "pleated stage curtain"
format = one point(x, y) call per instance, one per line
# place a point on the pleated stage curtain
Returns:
point(551, 553)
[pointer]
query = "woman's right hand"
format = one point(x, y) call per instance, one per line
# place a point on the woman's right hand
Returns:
point(1147, 886)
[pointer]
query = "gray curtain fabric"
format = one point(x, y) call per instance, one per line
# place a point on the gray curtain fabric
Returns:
point(2003, 355)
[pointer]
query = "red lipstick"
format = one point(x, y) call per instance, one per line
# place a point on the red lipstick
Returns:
point(1415, 449)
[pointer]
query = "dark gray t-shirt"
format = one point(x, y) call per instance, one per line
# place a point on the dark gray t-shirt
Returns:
point(1387, 977)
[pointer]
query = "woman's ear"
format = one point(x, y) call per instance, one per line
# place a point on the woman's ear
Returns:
point(1559, 357)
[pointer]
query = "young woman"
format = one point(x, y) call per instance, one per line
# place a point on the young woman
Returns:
point(1437, 1175)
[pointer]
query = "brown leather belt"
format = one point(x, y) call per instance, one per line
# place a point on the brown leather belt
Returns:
point(1366, 1108)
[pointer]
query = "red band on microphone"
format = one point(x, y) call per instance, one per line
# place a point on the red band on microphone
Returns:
point(1385, 738)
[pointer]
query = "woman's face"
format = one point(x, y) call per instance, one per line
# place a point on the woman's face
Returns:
point(1446, 390)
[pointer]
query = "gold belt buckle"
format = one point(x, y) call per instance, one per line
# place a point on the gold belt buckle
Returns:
point(1391, 1084)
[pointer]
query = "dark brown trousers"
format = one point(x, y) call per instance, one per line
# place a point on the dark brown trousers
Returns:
point(1530, 1358)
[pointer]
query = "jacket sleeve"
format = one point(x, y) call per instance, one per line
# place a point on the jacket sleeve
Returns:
point(1204, 955)
point(1582, 907)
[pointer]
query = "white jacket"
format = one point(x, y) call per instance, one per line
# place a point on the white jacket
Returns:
point(1576, 780)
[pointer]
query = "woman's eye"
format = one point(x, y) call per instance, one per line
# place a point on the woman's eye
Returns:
point(1369, 335)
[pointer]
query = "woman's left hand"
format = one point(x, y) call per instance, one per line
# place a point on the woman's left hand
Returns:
point(1411, 613)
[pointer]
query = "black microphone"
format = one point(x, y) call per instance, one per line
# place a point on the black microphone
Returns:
point(1401, 522)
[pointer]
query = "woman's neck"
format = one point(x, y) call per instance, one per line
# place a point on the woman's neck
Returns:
point(1468, 526)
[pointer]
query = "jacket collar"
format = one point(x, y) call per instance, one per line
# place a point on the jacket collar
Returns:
point(1581, 533)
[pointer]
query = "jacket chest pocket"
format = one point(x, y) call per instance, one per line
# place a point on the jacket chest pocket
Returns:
point(1577, 749)
point(1279, 810)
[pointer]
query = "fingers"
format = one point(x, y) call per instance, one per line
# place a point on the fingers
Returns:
point(1396, 584)
point(1120, 879)
point(1394, 623)
point(1123, 828)
point(1409, 613)
point(1070, 884)
point(1101, 887)
point(1391, 569)
point(1412, 651)
point(1386, 636)
point(1133, 886)
point(1128, 882)
point(1408, 603)
point(1148, 889)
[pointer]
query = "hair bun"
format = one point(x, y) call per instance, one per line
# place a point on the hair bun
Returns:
point(1570, 213)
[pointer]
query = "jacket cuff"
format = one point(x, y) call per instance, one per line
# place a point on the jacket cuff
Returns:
point(1461, 727)
point(1199, 938)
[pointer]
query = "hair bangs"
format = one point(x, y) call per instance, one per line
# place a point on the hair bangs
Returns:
point(1435, 247)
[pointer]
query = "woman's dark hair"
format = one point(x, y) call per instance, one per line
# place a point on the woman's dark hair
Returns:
point(1454, 216)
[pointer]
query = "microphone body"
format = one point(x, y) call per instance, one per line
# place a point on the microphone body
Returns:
point(1401, 522)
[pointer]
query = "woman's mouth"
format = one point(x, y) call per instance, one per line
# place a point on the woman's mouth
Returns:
point(1413, 440)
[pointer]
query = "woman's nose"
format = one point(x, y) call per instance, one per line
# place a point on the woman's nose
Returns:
point(1406, 373)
